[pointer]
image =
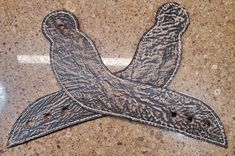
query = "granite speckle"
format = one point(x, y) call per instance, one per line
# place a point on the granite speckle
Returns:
point(206, 72)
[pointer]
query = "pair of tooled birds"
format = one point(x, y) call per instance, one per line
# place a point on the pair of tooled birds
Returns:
point(139, 92)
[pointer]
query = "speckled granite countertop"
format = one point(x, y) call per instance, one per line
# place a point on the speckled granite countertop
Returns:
point(206, 72)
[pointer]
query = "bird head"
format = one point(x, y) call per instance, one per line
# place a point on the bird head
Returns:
point(173, 17)
point(59, 25)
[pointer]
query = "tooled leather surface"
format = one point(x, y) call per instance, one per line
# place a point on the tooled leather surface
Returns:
point(87, 81)
point(159, 48)
point(46, 115)
point(54, 103)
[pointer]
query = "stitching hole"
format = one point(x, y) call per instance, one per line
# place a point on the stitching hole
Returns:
point(47, 116)
point(65, 110)
point(174, 114)
point(29, 124)
point(190, 119)
point(207, 124)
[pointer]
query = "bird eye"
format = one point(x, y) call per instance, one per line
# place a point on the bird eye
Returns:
point(60, 26)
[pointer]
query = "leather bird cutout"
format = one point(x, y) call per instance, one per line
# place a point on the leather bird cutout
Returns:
point(57, 111)
point(89, 90)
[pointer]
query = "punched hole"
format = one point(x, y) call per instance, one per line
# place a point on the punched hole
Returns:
point(207, 124)
point(190, 119)
point(173, 114)
point(29, 124)
point(47, 116)
point(65, 110)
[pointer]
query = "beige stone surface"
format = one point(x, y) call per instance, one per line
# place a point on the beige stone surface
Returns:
point(206, 72)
